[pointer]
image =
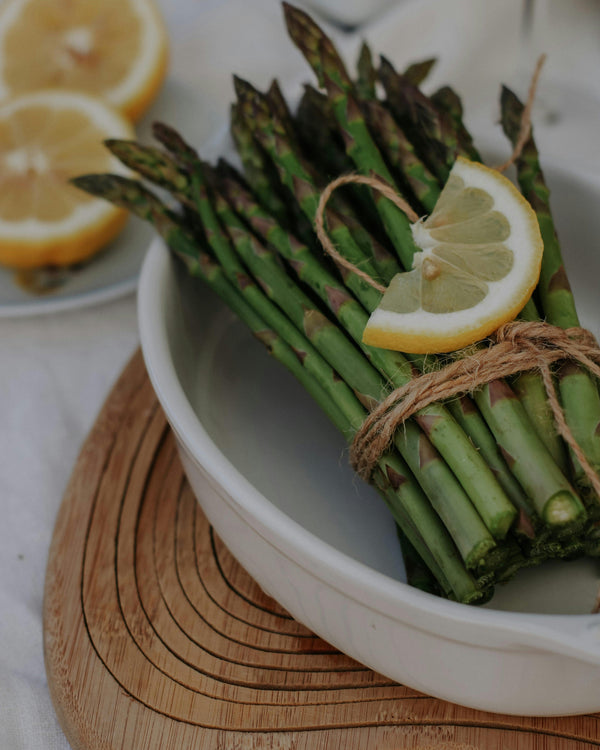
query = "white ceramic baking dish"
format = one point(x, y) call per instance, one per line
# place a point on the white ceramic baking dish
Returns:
point(271, 474)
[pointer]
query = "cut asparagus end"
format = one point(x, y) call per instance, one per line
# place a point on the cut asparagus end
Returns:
point(563, 509)
point(502, 522)
point(476, 558)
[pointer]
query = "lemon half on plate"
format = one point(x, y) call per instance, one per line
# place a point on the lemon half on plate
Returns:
point(481, 252)
point(114, 49)
point(46, 138)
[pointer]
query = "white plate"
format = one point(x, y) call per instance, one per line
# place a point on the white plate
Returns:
point(111, 274)
point(114, 271)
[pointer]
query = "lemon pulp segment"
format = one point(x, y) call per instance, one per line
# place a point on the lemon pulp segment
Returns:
point(479, 261)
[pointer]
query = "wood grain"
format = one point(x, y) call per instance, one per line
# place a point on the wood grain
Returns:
point(156, 639)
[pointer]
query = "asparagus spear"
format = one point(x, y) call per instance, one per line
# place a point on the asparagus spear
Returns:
point(360, 146)
point(299, 176)
point(474, 474)
point(418, 71)
point(429, 128)
point(366, 79)
point(317, 133)
point(444, 491)
point(256, 167)
point(401, 156)
point(578, 390)
point(500, 407)
point(528, 386)
point(392, 476)
point(366, 82)
point(279, 105)
point(445, 99)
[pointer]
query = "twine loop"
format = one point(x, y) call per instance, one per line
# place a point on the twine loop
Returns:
point(514, 348)
point(376, 183)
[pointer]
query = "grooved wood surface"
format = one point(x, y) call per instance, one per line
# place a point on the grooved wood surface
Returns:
point(156, 639)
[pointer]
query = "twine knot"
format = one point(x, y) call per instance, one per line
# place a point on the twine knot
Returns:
point(515, 348)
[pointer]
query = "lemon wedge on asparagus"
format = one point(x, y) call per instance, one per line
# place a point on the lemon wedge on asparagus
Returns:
point(479, 262)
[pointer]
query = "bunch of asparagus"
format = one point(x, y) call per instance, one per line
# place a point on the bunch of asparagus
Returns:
point(480, 486)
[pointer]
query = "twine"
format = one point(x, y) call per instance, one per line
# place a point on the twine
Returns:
point(516, 347)
point(525, 129)
point(356, 179)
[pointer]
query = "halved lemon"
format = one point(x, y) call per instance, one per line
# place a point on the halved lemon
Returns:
point(115, 49)
point(480, 258)
point(46, 138)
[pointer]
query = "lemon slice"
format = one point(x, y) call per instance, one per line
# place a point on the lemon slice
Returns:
point(115, 49)
point(46, 138)
point(480, 258)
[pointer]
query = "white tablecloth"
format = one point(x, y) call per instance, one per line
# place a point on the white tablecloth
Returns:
point(56, 370)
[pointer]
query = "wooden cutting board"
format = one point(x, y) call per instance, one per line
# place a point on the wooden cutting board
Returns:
point(156, 639)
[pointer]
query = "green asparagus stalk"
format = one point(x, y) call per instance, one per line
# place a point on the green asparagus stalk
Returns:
point(392, 476)
point(447, 495)
point(418, 71)
point(360, 146)
point(274, 143)
point(256, 167)
point(531, 392)
point(366, 79)
point(367, 74)
point(445, 99)
point(442, 141)
point(578, 391)
point(279, 105)
point(554, 499)
point(427, 127)
point(401, 156)
point(474, 474)
point(318, 136)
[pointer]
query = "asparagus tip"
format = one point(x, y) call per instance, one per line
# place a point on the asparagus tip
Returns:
point(171, 139)
point(98, 185)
